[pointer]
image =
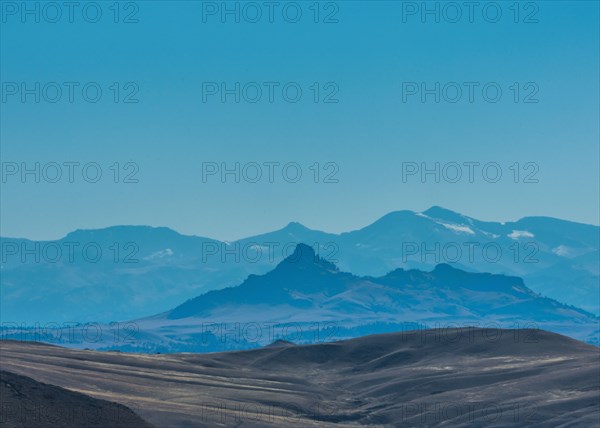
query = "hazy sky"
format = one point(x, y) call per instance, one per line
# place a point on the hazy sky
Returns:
point(376, 59)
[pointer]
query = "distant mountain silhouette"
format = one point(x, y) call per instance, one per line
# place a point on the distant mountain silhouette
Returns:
point(312, 296)
point(303, 274)
point(157, 268)
point(306, 287)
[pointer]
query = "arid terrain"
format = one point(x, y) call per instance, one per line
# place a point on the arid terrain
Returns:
point(28, 403)
point(466, 377)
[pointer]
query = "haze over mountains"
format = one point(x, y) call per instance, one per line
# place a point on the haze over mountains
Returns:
point(460, 378)
point(143, 270)
point(306, 299)
point(287, 322)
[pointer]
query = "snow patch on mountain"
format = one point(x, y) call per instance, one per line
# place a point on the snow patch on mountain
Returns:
point(458, 228)
point(516, 234)
point(167, 252)
point(562, 250)
point(491, 235)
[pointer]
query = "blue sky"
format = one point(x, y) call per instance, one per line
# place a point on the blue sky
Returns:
point(365, 58)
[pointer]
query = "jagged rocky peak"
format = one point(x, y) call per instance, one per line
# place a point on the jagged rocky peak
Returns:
point(304, 255)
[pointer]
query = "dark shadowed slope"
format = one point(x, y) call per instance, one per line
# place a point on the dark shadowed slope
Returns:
point(466, 377)
point(26, 403)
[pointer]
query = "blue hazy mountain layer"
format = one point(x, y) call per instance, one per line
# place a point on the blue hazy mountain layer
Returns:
point(307, 299)
point(127, 272)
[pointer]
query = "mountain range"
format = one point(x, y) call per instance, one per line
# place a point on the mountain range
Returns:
point(127, 272)
point(307, 299)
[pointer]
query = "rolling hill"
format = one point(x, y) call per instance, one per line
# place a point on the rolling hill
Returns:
point(461, 377)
